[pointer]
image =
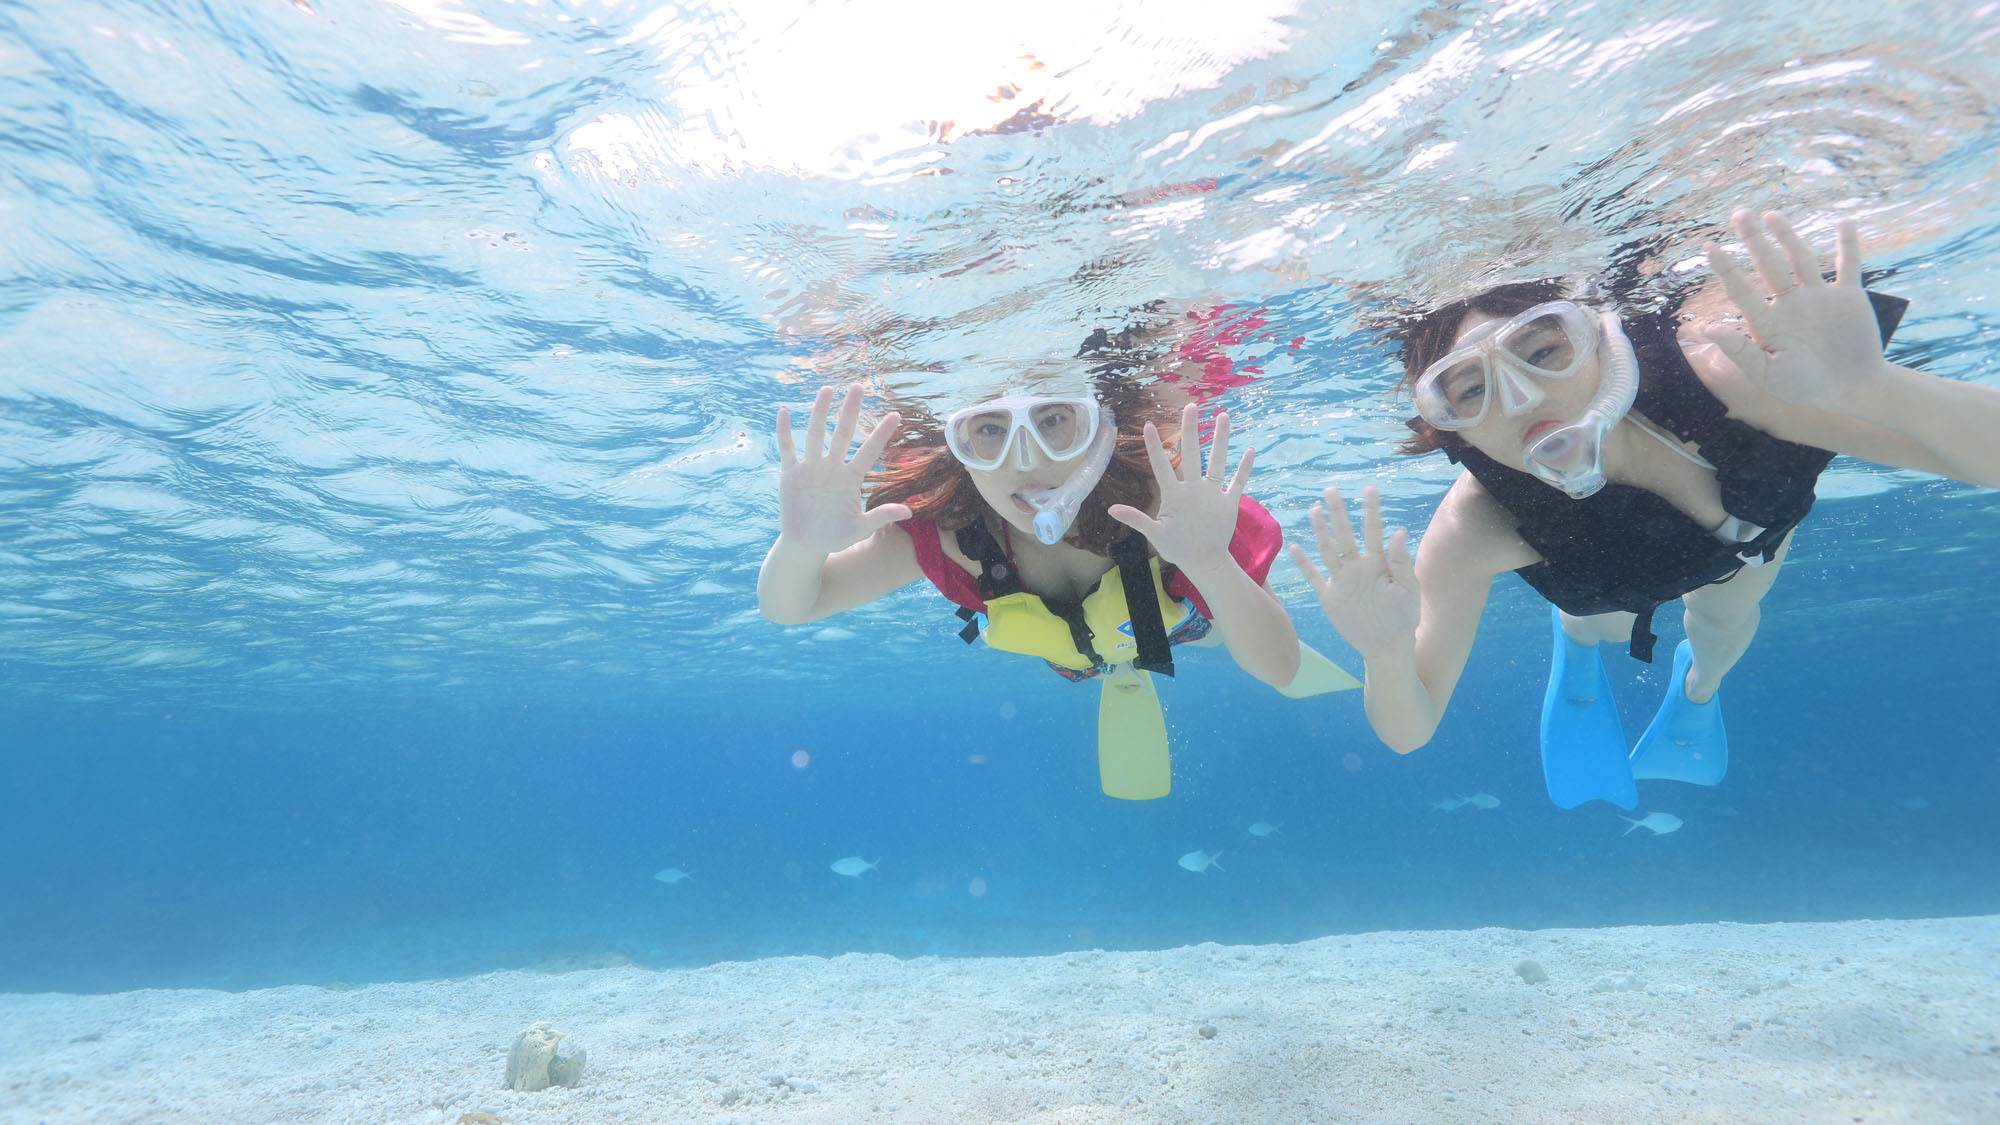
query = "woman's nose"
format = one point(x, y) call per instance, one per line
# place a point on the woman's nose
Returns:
point(1518, 393)
point(1024, 457)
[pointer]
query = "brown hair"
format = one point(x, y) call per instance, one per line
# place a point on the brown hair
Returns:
point(919, 471)
point(1427, 337)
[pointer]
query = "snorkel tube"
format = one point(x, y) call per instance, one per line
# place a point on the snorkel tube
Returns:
point(1056, 508)
point(1572, 458)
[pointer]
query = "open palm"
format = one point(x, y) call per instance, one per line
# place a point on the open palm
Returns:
point(1811, 342)
point(1197, 513)
point(1368, 590)
point(820, 506)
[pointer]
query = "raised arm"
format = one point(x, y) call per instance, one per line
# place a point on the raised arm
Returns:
point(1197, 518)
point(1412, 622)
point(1810, 367)
point(832, 553)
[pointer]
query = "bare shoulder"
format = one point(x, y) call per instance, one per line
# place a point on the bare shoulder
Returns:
point(892, 547)
point(1472, 535)
point(888, 557)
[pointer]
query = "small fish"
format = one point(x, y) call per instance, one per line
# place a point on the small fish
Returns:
point(672, 875)
point(852, 866)
point(1482, 800)
point(1262, 829)
point(1449, 804)
point(1914, 804)
point(1200, 862)
point(1658, 823)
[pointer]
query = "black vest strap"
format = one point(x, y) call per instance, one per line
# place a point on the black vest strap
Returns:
point(998, 578)
point(1643, 637)
point(1148, 631)
point(996, 574)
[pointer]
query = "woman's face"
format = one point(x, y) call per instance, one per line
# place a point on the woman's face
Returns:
point(1507, 436)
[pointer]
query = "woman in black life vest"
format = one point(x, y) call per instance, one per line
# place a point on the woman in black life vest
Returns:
point(1619, 464)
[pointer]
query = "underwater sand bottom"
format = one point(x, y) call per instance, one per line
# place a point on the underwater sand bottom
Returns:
point(1835, 1022)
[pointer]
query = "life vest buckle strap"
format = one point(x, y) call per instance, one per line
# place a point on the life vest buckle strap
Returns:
point(1080, 635)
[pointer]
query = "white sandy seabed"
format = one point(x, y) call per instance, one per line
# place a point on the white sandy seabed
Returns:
point(1823, 1022)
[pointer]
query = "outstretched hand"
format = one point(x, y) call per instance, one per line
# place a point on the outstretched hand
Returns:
point(1810, 342)
point(819, 495)
point(1197, 512)
point(1368, 593)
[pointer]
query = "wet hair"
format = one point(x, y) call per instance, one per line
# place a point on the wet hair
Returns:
point(1427, 337)
point(920, 471)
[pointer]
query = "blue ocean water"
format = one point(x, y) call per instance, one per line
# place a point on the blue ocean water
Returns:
point(387, 400)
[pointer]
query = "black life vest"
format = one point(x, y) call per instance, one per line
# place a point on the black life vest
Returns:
point(1624, 548)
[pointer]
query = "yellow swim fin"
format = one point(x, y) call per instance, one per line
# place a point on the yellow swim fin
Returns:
point(1132, 761)
point(1317, 676)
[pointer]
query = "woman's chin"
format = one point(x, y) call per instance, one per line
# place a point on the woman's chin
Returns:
point(1023, 522)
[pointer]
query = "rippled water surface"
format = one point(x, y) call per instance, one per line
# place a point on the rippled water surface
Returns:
point(398, 377)
point(431, 342)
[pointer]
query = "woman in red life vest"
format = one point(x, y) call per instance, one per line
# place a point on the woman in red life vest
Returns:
point(1059, 522)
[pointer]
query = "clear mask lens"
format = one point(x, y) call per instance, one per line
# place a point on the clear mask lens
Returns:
point(1546, 345)
point(1551, 340)
point(980, 436)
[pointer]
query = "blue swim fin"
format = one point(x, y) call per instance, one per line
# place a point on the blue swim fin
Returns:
point(1686, 741)
point(1583, 743)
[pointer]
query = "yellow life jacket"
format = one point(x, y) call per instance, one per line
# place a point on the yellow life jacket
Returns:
point(1095, 634)
point(1022, 622)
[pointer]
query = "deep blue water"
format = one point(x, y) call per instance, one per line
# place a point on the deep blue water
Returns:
point(385, 460)
point(359, 838)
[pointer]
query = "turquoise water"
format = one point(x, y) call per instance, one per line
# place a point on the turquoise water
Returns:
point(387, 460)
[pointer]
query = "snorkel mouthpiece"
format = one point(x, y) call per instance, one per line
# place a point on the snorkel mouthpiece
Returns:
point(1572, 458)
point(1056, 508)
point(1051, 527)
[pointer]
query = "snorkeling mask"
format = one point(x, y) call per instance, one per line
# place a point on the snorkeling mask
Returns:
point(1062, 428)
point(1506, 359)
